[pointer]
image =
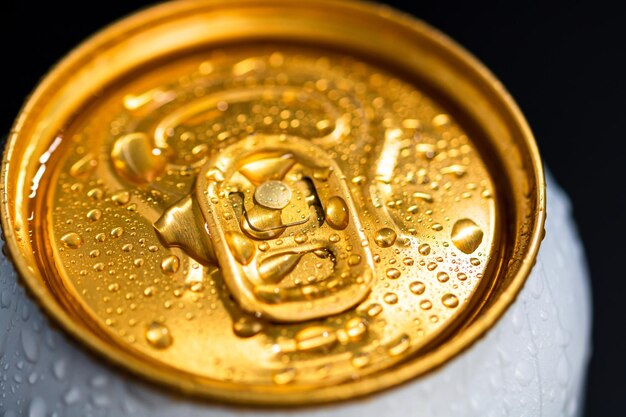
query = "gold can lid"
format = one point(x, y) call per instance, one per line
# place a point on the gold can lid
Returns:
point(273, 202)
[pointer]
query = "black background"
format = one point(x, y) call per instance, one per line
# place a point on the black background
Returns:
point(560, 61)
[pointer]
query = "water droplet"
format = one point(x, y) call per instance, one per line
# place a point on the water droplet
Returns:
point(441, 120)
point(59, 369)
point(359, 179)
point(337, 215)
point(29, 345)
point(37, 407)
point(424, 249)
point(361, 360)
point(563, 371)
point(127, 247)
point(32, 378)
point(84, 166)
point(450, 300)
point(475, 261)
point(461, 276)
point(121, 198)
point(466, 235)
point(393, 273)
point(100, 237)
point(315, 337)
point(321, 173)
point(115, 287)
point(408, 261)
point(300, 238)
point(334, 238)
point(72, 240)
point(247, 326)
point(158, 335)
point(170, 264)
point(275, 267)
point(95, 193)
point(5, 299)
point(98, 267)
point(354, 260)
point(399, 346)
point(426, 305)
point(285, 376)
point(117, 232)
point(417, 287)
point(100, 400)
point(437, 227)
point(356, 328)
point(458, 170)
point(94, 215)
point(524, 372)
point(149, 291)
point(423, 196)
point(374, 309)
point(431, 266)
point(385, 237)
point(443, 277)
point(264, 246)
point(200, 151)
point(72, 396)
point(135, 158)
point(99, 381)
point(390, 298)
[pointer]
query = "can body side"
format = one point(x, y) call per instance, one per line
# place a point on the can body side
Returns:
point(532, 363)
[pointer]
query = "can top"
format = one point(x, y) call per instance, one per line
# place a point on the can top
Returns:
point(273, 202)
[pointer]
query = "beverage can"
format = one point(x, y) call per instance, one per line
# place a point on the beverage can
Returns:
point(265, 203)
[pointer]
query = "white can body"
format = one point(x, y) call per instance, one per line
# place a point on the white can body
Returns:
point(532, 363)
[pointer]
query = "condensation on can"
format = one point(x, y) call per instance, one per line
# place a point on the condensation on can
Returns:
point(311, 214)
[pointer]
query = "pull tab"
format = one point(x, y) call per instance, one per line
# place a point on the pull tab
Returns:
point(276, 215)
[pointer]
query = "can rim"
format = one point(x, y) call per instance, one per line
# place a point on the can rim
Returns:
point(390, 377)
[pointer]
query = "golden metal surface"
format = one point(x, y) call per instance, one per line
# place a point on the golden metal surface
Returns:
point(268, 202)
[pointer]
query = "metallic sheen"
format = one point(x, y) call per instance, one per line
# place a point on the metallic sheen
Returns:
point(268, 202)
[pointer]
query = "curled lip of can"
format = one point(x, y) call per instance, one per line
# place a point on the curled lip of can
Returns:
point(403, 43)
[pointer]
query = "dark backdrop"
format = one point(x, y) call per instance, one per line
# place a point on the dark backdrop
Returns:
point(561, 62)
